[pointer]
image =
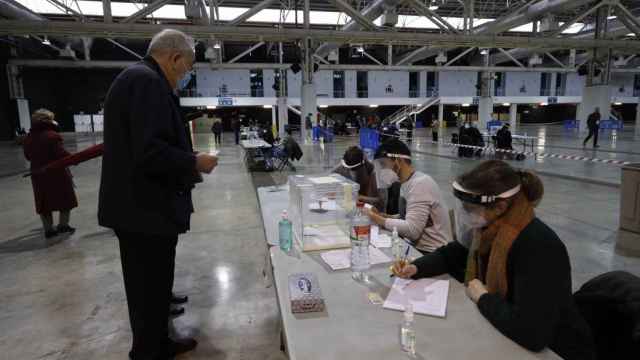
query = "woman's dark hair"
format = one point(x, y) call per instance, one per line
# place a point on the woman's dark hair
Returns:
point(494, 177)
point(354, 155)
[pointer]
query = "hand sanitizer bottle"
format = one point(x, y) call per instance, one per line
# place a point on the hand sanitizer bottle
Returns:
point(407, 333)
point(285, 232)
point(396, 245)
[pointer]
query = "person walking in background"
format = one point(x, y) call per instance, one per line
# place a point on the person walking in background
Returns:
point(235, 124)
point(216, 128)
point(435, 126)
point(593, 122)
point(148, 172)
point(52, 189)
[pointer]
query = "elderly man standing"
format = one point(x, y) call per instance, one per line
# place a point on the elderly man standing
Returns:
point(148, 171)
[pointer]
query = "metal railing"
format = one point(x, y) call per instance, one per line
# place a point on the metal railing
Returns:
point(410, 110)
point(414, 93)
point(338, 94)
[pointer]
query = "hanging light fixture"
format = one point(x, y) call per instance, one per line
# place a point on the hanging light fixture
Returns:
point(46, 41)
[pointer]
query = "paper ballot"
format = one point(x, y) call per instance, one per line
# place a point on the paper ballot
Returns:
point(341, 259)
point(428, 296)
point(379, 240)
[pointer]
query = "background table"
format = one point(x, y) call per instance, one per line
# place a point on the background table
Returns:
point(352, 328)
point(253, 150)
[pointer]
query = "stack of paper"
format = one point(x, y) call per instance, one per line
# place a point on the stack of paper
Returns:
point(427, 296)
point(341, 259)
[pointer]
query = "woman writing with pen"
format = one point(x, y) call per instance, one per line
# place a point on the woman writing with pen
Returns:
point(499, 249)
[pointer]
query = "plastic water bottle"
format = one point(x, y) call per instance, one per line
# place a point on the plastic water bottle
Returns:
point(396, 245)
point(285, 232)
point(360, 235)
point(407, 333)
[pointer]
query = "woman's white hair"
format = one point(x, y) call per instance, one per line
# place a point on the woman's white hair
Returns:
point(169, 40)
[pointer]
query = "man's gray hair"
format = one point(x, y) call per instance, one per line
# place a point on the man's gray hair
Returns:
point(170, 40)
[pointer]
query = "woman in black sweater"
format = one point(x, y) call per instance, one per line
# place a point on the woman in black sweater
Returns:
point(515, 267)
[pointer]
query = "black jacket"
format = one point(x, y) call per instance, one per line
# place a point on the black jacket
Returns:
point(593, 121)
point(148, 168)
point(611, 305)
point(504, 139)
point(538, 310)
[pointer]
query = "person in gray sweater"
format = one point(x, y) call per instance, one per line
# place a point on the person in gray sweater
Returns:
point(425, 221)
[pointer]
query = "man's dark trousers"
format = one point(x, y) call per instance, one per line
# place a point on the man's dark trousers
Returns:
point(147, 266)
point(593, 132)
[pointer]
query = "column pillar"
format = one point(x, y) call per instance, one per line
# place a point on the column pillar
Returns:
point(485, 104)
point(274, 121)
point(513, 117)
point(594, 96)
point(283, 115)
point(441, 115)
point(637, 129)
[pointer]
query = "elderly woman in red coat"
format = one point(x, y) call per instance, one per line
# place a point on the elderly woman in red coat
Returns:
point(52, 189)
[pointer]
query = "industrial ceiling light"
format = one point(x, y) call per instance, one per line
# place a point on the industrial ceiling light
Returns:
point(373, 106)
point(46, 41)
point(617, 103)
point(216, 45)
point(267, 106)
point(466, 105)
point(433, 7)
point(543, 104)
point(484, 52)
point(506, 104)
point(323, 106)
point(211, 107)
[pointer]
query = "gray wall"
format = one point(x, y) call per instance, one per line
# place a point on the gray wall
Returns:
point(457, 83)
point(451, 83)
point(237, 81)
point(515, 81)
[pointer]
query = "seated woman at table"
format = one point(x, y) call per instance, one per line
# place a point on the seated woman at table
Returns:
point(515, 267)
point(356, 168)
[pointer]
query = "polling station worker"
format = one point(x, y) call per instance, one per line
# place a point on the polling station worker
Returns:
point(148, 171)
point(355, 167)
point(516, 268)
point(426, 220)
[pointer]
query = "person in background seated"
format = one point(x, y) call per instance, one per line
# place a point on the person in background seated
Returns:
point(53, 189)
point(515, 267)
point(356, 167)
point(425, 221)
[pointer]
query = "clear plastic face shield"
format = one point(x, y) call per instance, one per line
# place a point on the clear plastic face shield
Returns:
point(352, 168)
point(470, 212)
point(385, 175)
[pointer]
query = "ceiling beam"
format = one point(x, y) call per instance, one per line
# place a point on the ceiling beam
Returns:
point(251, 34)
point(356, 15)
point(251, 12)
point(424, 10)
point(144, 12)
point(247, 66)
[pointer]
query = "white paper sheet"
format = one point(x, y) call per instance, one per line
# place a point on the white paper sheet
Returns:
point(341, 259)
point(323, 180)
point(427, 296)
point(382, 241)
point(329, 205)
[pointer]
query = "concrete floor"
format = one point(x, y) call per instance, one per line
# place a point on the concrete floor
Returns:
point(64, 298)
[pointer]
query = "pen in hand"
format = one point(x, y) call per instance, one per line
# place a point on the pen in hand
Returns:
point(403, 261)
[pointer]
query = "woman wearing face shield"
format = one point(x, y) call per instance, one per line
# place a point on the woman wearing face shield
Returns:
point(515, 267)
point(355, 167)
point(426, 221)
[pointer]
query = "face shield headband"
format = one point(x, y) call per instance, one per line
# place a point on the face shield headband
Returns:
point(351, 167)
point(471, 197)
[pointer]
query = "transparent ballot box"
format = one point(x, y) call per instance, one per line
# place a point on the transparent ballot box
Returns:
point(319, 208)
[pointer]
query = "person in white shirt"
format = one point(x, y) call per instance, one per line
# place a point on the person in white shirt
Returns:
point(426, 222)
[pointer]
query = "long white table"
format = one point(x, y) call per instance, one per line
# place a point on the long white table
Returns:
point(253, 150)
point(352, 328)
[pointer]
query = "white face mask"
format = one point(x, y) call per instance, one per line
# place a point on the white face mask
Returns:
point(386, 178)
